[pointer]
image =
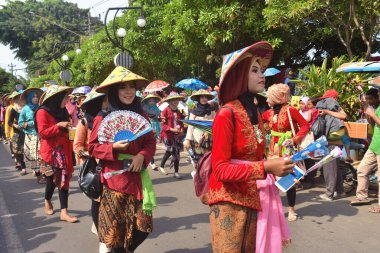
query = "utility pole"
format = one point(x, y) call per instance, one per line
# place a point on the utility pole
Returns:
point(12, 67)
point(89, 23)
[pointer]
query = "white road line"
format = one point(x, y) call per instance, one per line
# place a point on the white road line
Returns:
point(12, 240)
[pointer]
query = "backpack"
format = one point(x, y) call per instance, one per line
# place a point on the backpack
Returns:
point(203, 171)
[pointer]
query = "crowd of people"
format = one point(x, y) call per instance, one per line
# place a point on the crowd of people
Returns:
point(252, 137)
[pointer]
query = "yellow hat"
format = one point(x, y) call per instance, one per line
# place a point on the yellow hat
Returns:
point(15, 94)
point(25, 93)
point(173, 95)
point(54, 90)
point(122, 75)
point(151, 96)
point(200, 93)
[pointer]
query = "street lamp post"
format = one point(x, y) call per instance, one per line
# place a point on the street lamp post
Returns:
point(66, 73)
point(124, 58)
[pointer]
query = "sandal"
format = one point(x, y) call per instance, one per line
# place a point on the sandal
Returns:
point(374, 209)
point(360, 202)
point(292, 216)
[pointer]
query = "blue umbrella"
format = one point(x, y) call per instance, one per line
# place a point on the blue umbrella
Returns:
point(191, 84)
point(372, 67)
point(82, 90)
point(204, 125)
point(271, 72)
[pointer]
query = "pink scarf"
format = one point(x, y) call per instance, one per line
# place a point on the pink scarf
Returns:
point(272, 228)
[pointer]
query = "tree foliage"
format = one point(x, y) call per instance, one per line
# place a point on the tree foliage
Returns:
point(29, 28)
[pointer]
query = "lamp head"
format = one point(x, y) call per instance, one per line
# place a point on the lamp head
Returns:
point(65, 58)
point(121, 32)
point(141, 22)
point(78, 51)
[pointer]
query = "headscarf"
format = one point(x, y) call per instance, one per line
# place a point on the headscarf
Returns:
point(115, 104)
point(53, 107)
point(305, 100)
point(152, 110)
point(202, 110)
point(278, 94)
point(29, 101)
point(91, 109)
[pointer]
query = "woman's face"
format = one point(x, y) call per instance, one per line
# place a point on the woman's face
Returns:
point(310, 105)
point(203, 100)
point(127, 93)
point(151, 101)
point(256, 79)
point(35, 99)
point(174, 103)
point(64, 100)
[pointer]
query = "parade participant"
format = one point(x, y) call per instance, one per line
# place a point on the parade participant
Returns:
point(314, 112)
point(237, 157)
point(9, 130)
point(18, 138)
point(52, 123)
point(91, 106)
point(3, 107)
point(197, 140)
point(26, 122)
point(334, 115)
point(72, 108)
point(277, 121)
point(150, 107)
point(371, 159)
point(172, 130)
point(124, 221)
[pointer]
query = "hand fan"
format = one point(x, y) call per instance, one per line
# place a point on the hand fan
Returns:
point(123, 125)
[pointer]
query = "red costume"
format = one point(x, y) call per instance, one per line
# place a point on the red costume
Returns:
point(171, 119)
point(128, 182)
point(283, 125)
point(229, 182)
point(51, 137)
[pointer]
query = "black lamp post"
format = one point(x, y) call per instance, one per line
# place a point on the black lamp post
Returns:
point(124, 58)
point(66, 73)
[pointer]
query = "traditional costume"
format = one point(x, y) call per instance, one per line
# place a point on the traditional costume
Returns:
point(125, 215)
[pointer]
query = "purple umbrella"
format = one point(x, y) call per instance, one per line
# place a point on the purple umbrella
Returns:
point(82, 90)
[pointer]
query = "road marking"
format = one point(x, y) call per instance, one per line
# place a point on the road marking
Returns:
point(12, 240)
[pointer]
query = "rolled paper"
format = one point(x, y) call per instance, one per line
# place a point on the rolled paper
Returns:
point(108, 175)
point(306, 152)
point(335, 153)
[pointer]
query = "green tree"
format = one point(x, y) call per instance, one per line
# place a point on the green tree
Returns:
point(29, 28)
point(355, 24)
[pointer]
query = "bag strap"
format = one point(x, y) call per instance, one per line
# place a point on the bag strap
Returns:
point(232, 115)
point(291, 121)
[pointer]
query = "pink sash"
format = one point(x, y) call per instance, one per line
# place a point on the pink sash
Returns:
point(272, 228)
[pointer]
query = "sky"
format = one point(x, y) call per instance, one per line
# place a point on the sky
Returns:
point(7, 56)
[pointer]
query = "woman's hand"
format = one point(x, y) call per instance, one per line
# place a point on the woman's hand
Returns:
point(120, 145)
point(64, 124)
point(279, 166)
point(25, 125)
point(186, 144)
point(137, 163)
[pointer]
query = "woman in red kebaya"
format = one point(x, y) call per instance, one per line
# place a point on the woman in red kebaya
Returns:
point(277, 120)
point(125, 219)
point(238, 152)
point(52, 124)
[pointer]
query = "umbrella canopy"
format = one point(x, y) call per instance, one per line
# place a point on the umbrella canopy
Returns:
point(156, 85)
point(191, 84)
point(359, 67)
point(82, 90)
point(204, 125)
point(271, 72)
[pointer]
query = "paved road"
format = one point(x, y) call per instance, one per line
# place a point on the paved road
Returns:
point(180, 224)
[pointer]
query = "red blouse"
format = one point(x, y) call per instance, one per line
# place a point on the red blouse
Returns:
point(52, 136)
point(236, 182)
point(128, 182)
point(170, 119)
point(283, 125)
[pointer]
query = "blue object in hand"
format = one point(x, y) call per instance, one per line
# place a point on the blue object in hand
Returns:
point(124, 135)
